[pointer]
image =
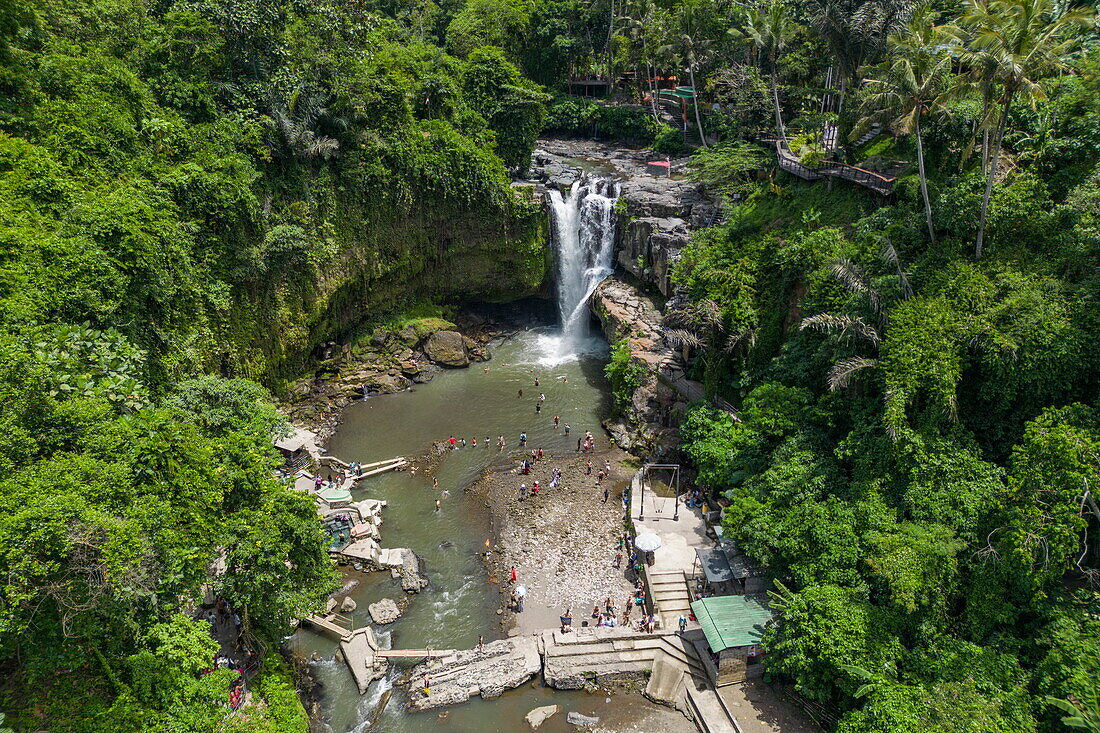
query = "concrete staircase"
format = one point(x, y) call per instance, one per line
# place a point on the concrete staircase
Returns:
point(570, 661)
point(669, 592)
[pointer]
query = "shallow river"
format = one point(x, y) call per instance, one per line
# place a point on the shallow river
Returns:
point(460, 603)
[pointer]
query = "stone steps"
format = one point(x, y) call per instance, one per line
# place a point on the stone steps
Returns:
point(570, 661)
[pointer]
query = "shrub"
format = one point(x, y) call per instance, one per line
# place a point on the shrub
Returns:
point(669, 141)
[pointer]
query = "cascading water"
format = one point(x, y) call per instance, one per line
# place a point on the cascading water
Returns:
point(584, 234)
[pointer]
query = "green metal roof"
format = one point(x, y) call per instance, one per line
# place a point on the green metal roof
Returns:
point(731, 621)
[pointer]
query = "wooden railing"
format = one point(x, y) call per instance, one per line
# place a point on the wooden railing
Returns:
point(789, 162)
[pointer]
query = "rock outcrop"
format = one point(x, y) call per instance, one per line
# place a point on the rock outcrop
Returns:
point(409, 572)
point(385, 611)
point(657, 213)
point(657, 404)
point(447, 348)
point(490, 671)
point(582, 721)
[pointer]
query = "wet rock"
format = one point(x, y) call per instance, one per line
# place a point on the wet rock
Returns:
point(385, 611)
point(447, 348)
point(386, 383)
point(380, 337)
point(536, 717)
point(299, 391)
point(348, 605)
point(409, 571)
point(499, 666)
point(581, 721)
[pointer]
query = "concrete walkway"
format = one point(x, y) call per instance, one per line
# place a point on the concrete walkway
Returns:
point(681, 531)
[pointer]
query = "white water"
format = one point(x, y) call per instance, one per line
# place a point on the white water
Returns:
point(584, 234)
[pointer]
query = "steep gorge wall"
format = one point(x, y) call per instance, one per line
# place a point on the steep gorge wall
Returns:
point(378, 269)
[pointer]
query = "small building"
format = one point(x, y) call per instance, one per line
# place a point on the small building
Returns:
point(722, 570)
point(733, 626)
point(297, 447)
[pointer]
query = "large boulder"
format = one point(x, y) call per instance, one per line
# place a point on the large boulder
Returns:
point(538, 716)
point(385, 611)
point(447, 348)
point(348, 605)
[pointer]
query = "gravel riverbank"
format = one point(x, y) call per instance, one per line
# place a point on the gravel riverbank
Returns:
point(563, 542)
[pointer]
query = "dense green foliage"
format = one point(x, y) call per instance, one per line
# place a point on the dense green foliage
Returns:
point(919, 445)
point(589, 118)
point(623, 374)
point(190, 189)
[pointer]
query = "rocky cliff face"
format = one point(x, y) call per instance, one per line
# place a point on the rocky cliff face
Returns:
point(656, 406)
point(656, 214)
point(656, 218)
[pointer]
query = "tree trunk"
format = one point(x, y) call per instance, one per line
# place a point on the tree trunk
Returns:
point(775, 99)
point(924, 185)
point(993, 163)
point(610, 33)
point(695, 100)
point(985, 150)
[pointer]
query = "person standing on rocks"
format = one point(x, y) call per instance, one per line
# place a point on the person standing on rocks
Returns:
point(606, 493)
point(522, 496)
point(512, 574)
point(425, 683)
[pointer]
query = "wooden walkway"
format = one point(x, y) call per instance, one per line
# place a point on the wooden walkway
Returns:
point(325, 623)
point(789, 162)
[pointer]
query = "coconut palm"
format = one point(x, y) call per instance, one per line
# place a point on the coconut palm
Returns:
point(868, 332)
point(693, 48)
point(911, 85)
point(855, 32)
point(768, 29)
point(1010, 46)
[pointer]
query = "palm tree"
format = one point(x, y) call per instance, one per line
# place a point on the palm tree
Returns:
point(910, 85)
point(768, 29)
point(693, 47)
point(1011, 45)
point(868, 332)
point(855, 32)
point(638, 28)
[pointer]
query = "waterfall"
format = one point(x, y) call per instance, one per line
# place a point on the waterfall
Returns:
point(584, 234)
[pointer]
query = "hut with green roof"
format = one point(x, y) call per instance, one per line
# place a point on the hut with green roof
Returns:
point(733, 626)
